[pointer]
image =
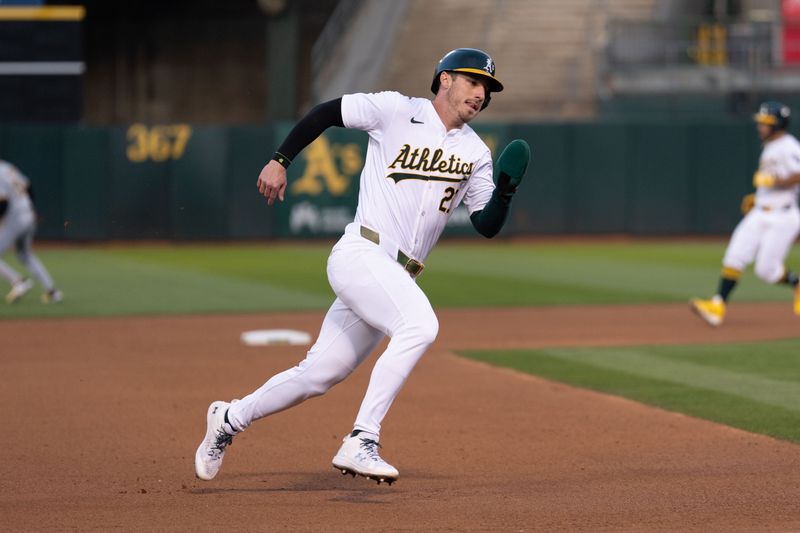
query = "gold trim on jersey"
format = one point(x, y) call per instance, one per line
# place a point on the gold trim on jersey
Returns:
point(400, 176)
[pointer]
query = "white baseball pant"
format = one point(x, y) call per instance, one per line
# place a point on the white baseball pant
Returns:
point(375, 297)
point(766, 238)
point(19, 232)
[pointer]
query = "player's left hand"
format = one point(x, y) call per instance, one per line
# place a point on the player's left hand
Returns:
point(272, 182)
point(763, 179)
point(511, 167)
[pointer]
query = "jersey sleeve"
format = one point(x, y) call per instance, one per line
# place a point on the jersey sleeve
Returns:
point(12, 181)
point(370, 112)
point(481, 184)
point(792, 163)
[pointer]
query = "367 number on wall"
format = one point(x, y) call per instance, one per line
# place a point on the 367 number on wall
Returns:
point(157, 143)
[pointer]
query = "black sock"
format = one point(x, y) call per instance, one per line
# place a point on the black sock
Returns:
point(726, 285)
point(790, 278)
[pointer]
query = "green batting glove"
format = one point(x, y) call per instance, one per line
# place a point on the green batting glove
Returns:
point(510, 168)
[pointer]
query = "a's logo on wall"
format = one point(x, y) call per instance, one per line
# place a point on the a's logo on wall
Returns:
point(329, 166)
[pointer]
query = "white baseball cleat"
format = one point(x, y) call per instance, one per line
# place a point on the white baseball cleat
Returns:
point(359, 455)
point(219, 435)
point(18, 290)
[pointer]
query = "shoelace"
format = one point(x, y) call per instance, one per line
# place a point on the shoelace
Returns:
point(221, 442)
point(371, 447)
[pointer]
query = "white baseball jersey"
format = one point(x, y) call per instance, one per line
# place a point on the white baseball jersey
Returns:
point(14, 189)
point(416, 172)
point(780, 158)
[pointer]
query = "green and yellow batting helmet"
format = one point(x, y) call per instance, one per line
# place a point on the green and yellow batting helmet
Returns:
point(773, 114)
point(468, 61)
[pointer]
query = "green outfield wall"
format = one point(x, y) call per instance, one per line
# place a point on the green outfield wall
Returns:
point(184, 182)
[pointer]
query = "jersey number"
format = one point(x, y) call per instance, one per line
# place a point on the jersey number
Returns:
point(448, 195)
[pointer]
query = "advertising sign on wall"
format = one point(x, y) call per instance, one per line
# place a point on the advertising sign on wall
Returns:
point(791, 31)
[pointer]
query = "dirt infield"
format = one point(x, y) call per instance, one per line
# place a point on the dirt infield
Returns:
point(102, 417)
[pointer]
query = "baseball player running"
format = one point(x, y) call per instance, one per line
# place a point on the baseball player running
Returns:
point(422, 161)
point(771, 224)
point(17, 227)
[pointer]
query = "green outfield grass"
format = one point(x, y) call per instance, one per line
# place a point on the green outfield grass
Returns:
point(752, 386)
point(228, 278)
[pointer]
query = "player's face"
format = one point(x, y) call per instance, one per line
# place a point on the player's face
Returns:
point(466, 95)
point(764, 131)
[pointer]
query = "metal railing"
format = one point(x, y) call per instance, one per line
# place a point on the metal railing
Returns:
point(647, 44)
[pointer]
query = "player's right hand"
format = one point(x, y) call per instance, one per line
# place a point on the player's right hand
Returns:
point(272, 182)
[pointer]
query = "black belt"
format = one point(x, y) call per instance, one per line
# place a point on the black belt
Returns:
point(412, 266)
